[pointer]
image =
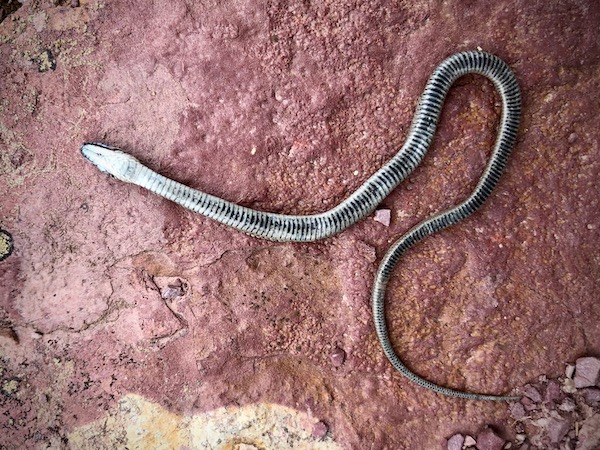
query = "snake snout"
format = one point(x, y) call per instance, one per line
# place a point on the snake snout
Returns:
point(95, 154)
point(109, 160)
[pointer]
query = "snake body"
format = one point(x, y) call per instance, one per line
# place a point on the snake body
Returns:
point(304, 228)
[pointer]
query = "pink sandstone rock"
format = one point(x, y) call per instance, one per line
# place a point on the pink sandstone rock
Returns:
point(589, 435)
point(552, 393)
point(288, 107)
point(592, 395)
point(383, 216)
point(517, 411)
point(456, 442)
point(489, 440)
point(532, 393)
point(587, 372)
point(557, 428)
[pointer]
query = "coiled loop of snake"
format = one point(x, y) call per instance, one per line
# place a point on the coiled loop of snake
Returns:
point(304, 228)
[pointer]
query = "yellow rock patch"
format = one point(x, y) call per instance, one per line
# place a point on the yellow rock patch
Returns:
point(137, 423)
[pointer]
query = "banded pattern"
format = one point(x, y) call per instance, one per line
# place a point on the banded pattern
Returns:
point(304, 228)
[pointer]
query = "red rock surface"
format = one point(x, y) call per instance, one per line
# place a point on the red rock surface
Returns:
point(288, 106)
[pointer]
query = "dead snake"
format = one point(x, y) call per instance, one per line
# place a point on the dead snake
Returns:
point(280, 227)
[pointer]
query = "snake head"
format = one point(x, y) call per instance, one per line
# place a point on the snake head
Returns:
point(111, 160)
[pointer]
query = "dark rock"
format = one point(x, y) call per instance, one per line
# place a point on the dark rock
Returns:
point(8, 332)
point(8, 7)
point(586, 372)
point(338, 356)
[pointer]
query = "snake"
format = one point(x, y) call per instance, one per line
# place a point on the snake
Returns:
point(366, 198)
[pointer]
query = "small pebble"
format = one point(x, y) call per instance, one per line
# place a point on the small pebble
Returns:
point(572, 138)
point(532, 393)
point(172, 291)
point(568, 386)
point(469, 441)
point(586, 372)
point(383, 216)
point(567, 405)
point(552, 392)
point(320, 430)
point(456, 442)
point(338, 357)
point(569, 370)
point(489, 440)
point(520, 438)
point(557, 429)
point(517, 411)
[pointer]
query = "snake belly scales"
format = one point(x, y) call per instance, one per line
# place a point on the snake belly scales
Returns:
point(362, 202)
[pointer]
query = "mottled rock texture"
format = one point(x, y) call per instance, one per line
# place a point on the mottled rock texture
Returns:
point(553, 414)
point(288, 106)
